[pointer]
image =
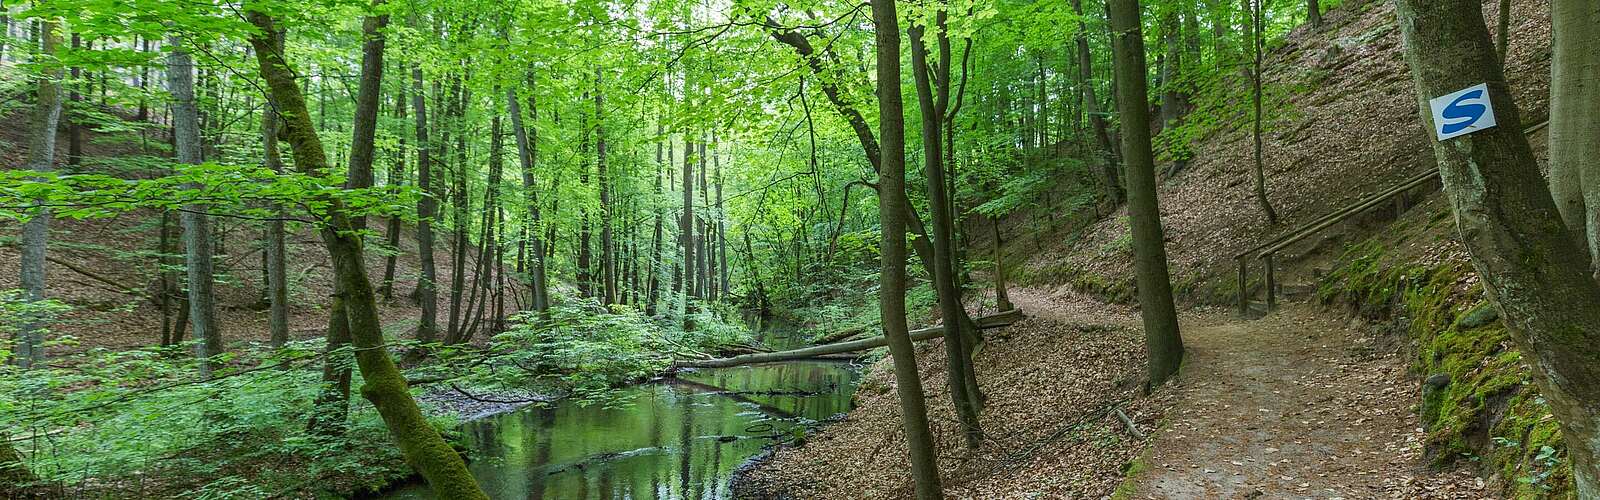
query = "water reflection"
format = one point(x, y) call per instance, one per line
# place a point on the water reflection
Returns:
point(674, 439)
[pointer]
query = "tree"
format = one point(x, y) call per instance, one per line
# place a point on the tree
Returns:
point(277, 273)
point(528, 155)
point(1091, 107)
point(421, 445)
point(1163, 343)
point(1314, 13)
point(958, 360)
point(1257, 37)
point(427, 284)
point(41, 158)
point(197, 238)
point(1574, 130)
point(892, 286)
point(1511, 225)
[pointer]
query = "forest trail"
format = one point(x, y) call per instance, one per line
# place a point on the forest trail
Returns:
point(1293, 405)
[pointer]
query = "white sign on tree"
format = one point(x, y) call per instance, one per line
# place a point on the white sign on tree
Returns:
point(1462, 112)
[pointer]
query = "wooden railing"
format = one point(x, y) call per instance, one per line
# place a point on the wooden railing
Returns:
point(1266, 251)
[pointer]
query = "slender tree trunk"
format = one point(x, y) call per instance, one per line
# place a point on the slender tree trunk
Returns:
point(1574, 129)
point(75, 98)
point(197, 239)
point(397, 175)
point(958, 360)
point(1258, 20)
point(277, 273)
point(608, 257)
point(427, 293)
point(1511, 225)
point(1002, 298)
point(384, 385)
point(686, 232)
point(652, 299)
point(891, 293)
point(36, 232)
point(527, 136)
point(1091, 107)
point(1503, 36)
point(459, 201)
point(1162, 340)
point(1314, 13)
point(334, 402)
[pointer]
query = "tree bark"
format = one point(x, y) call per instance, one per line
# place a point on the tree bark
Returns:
point(1162, 339)
point(1314, 13)
point(892, 208)
point(958, 360)
point(427, 293)
point(277, 272)
point(608, 257)
point(1574, 129)
point(1511, 226)
point(334, 401)
point(384, 386)
point(197, 237)
point(654, 282)
point(36, 232)
point(1091, 106)
point(397, 175)
point(1258, 21)
point(528, 154)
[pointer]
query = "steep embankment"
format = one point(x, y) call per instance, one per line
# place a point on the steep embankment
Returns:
point(1419, 400)
point(107, 270)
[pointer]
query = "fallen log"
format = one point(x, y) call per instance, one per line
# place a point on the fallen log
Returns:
point(984, 323)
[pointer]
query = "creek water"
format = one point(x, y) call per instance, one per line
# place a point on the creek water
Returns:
point(667, 439)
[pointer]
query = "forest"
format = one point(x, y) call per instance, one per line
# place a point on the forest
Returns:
point(706, 249)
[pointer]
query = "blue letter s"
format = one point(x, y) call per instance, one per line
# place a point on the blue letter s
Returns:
point(1456, 110)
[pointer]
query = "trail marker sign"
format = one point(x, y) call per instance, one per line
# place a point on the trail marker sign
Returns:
point(1462, 112)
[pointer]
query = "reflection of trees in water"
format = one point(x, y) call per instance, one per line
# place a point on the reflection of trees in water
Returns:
point(698, 428)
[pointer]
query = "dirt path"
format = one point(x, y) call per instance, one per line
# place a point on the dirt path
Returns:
point(1294, 405)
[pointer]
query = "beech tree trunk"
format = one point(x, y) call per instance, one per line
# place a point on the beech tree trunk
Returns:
point(1258, 21)
point(528, 154)
point(1091, 107)
point(36, 232)
point(397, 175)
point(1574, 128)
point(958, 360)
point(384, 386)
point(1314, 13)
point(197, 238)
point(333, 404)
point(1162, 340)
point(277, 272)
point(1511, 225)
point(608, 257)
point(892, 288)
point(654, 282)
point(427, 292)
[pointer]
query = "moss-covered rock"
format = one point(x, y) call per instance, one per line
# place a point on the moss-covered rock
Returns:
point(1479, 404)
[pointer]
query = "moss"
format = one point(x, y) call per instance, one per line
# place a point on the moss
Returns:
point(1131, 473)
point(1480, 403)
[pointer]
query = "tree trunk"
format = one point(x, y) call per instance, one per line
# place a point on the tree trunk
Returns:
point(1314, 13)
point(654, 284)
point(1510, 224)
point(1162, 340)
point(277, 273)
point(197, 238)
point(608, 257)
point(75, 98)
point(686, 233)
point(585, 234)
point(36, 232)
point(1574, 129)
point(958, 360)
point(427, 293)
point(384, 386)
point(528, 155)
point(455, 113)
point(1001, 297)
point(334, 402)
point(891, 294)
point(1258, 21)
point(1091, 107)
point(1503, 36)
point(397, 175)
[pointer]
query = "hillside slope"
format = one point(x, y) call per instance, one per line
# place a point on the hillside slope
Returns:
point(107, 270)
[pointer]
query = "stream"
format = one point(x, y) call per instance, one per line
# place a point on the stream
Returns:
point(670, 438)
